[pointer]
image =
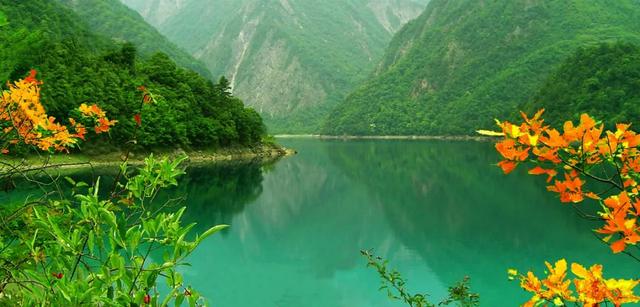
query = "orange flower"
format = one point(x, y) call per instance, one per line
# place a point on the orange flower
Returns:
point(541, 171)
point(531, 283)
point(29, 123)
point(138, 119)
point(617, 222)
point(570, 189)
point(91, 111)
point(555, 282)
point(589, 285)
point(591, 289)
point(32, 78)
point(104, 125)
point(547, 154)
point(512, 154)
point(621, 291)
point(536, 122)
point(554, 139)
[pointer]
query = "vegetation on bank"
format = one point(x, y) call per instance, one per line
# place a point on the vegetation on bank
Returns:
point(77, 243)
point(82, 160)
point(79, 66)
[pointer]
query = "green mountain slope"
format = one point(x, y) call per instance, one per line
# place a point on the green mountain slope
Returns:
point(115, 20)
point(292, 60)
point(79, 66)
point(603, 81)
point(464, 62)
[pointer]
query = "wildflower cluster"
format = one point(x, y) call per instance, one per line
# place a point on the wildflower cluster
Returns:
point(588, 287)
point(23, 119)
point(580, 153)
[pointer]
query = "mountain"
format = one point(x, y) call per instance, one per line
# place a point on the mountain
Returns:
point(112, 19)
point(603, 81)
point(463, 63)
point(292, 60)
point(78, 65)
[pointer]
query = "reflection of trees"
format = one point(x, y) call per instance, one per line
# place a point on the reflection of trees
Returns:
point(216, 193)
point(305, 200)
point(446, 202)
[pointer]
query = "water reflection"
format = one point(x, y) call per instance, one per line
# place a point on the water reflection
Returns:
point(437, 210)
point(464, 217)
point(216, 193)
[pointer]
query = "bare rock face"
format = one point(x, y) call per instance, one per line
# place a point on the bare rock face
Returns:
point(292, 60)
point(392, 14)
point(156, 12)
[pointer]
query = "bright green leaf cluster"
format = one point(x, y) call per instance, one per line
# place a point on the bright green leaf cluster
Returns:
point(88, 249)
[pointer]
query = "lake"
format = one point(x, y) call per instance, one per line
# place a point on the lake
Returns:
point(437, 210)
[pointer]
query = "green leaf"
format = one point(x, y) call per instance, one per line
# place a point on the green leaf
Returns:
point(96, 188)
point(68, 179)
point(110, 293)
point(109, 217)
point(3, 19)
point(33, 241)
point(151, 279)
point(192, 301)
point(91, 243)
point(209, 232)
point(179, 299)
point(57, 232)
point(133, 237)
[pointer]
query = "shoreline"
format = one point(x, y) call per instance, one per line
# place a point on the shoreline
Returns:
point(478, 138)
point(264, 153)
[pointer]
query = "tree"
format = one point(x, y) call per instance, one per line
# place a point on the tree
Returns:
point(224, 87)
point(126, 56)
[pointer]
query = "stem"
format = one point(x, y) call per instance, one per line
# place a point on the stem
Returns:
point(44, 270)
point(582, 171)
point(75, 266)
point(128, 151)
point(144, 259)
point(614, 162)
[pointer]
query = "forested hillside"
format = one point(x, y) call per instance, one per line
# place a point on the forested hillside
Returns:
point(603, 81)
point(115, 20)
point(80, 66)
point(292, 60)
point(463, 63)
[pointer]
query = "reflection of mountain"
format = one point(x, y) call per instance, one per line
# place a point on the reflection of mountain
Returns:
point(304, 232)
point(305, 199)
point(437, 210)
point(463, 217)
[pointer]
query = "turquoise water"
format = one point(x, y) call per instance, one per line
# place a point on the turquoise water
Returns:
point(437, 210)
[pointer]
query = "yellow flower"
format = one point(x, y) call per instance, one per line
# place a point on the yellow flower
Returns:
point(489, 133)
point(621, 291)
